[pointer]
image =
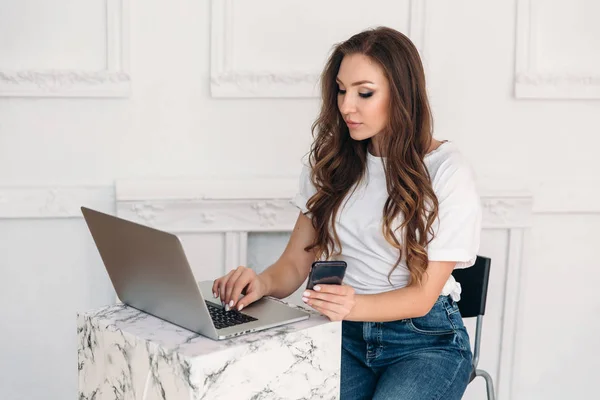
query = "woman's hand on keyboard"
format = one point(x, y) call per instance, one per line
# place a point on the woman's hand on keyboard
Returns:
point(240, 281)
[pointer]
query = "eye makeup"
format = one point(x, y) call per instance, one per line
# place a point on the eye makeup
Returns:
point(363, 95)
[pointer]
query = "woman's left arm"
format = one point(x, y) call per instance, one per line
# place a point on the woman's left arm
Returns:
point(340, 302)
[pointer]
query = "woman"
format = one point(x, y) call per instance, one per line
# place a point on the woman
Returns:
point(400, 207)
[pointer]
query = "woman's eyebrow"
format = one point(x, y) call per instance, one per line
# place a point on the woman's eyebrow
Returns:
point(355, 83)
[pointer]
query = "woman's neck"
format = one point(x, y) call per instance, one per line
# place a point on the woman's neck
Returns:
point(374, 147)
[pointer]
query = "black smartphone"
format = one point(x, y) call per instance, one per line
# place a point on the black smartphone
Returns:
point(327, 273)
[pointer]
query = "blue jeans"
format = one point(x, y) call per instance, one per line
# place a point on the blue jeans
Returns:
point(425, 358)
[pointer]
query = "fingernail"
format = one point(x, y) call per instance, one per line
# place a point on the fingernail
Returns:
point(227, 307)
point(215, 295)
point(304, 299)
point(306, 294)
point(240, 308)
point(222, 303)
point(231, 303)
point(317, 288)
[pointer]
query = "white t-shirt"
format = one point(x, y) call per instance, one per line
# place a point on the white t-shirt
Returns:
point(359, 222)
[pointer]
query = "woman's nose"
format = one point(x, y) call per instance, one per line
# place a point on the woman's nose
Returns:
point(347, 105)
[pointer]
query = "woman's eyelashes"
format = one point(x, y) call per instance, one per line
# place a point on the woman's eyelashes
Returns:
point(363, 95)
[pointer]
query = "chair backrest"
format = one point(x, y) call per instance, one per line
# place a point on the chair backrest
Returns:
point(474, 284)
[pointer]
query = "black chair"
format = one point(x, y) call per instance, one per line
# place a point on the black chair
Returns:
point(474, 283)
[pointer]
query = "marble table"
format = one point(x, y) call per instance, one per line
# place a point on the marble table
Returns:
point(127, 354)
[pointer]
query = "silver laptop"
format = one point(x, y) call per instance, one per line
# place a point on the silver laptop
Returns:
point(150, 272)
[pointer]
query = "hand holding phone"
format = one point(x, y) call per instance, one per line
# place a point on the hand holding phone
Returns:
point(334, 302)
point(326, 273)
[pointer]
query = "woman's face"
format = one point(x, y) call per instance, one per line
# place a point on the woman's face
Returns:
point(363, 96)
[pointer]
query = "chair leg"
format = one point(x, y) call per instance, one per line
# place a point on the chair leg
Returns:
point(489, 384)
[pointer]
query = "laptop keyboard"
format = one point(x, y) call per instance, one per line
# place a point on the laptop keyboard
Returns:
point(225, 319)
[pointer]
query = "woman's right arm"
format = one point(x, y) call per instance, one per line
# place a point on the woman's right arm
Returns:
point(279, 280)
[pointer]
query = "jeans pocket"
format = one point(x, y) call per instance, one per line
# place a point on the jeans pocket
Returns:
point(436, 322)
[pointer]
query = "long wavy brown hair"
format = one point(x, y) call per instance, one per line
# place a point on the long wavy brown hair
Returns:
point(338, 162)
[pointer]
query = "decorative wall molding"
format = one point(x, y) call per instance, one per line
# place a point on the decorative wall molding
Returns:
point(264, 84)
point(52, 202)
point(259, 205)
point(507, 212)
point(556, 86)
point(511, 315)
point(552, 194)
point(236, 245)
point(537, 79)
point(529, 82)
point(418, 28)
point(209, 216)
point(227, 82)
point(114, 81)
point(279, 215)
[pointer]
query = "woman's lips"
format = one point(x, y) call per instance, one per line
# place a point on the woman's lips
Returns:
point(353, 124)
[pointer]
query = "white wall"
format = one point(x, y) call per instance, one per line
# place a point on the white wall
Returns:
point(58, 151)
